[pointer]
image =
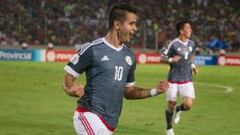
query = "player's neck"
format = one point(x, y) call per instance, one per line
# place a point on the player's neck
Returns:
point(113, 39)
point(183, 38)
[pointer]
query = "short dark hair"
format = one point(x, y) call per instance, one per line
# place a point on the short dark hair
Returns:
point(118, 12)
point(180, 25)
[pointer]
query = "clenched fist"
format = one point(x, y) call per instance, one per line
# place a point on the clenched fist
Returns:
point(77, 89)
point(162, 86)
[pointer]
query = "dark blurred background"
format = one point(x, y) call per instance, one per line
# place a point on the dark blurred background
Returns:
point(73, 22)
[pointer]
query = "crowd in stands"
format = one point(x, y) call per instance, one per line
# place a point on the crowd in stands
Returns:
point(69, 22)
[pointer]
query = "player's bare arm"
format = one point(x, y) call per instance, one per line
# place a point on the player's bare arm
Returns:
point(193, 66)
point(133, 92)
point(173, 59)
point(75, 90)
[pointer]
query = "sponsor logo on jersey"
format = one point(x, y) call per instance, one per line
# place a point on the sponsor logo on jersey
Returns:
point(105, 58)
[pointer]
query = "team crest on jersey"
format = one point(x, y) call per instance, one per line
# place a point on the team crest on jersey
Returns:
point(179, 49)
point(128, 60)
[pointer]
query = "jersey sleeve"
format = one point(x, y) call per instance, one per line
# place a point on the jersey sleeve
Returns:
point(131, 75)
point(194, 46)
point(193, 52)
point(168, 51)
point(80, 62)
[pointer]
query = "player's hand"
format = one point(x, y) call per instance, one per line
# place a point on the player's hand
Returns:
point(176, 58)
point(77, 90)
point(162, 86)
point(195, 71)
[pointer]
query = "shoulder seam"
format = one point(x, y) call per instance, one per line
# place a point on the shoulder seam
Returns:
point(169, 46)
point(88, 45)
point(171, 43)
point(191, 41)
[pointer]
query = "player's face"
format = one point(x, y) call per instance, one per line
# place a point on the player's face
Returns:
point(128, 27)
point(187, 30)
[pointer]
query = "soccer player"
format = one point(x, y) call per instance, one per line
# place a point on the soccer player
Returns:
point(109, 67)
point(180, 55)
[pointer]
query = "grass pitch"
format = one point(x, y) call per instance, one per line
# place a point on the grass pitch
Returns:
point(32, 102)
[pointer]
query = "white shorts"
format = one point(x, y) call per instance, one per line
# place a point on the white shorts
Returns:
point(185, 90)
point(88, 123)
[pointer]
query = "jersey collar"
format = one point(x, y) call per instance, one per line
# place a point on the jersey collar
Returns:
point(184, 43)
point(113, 47)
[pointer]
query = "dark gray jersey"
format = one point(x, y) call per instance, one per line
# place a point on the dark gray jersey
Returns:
point(180, 71)
point(108, 71)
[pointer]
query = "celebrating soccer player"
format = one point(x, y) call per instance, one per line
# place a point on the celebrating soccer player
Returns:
point(180, 55)
point(109, 67)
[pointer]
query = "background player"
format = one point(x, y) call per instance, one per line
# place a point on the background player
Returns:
point(109, 67)
point(180, 55)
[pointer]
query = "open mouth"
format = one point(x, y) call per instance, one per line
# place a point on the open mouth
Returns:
point(131, 35)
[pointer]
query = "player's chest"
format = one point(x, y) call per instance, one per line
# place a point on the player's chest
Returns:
point(111, 61)
point(182, 50)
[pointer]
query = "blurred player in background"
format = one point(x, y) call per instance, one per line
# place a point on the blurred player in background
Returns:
point(180, 55)
point(109, 67)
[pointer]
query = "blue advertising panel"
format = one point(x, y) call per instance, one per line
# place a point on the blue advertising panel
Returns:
point(39, 55)
point(206, 60)
point(15, 54)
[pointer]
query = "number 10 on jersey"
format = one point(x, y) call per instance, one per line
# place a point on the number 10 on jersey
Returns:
point(118, 73)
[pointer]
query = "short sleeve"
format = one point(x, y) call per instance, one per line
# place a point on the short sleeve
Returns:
point(80, 62)
point(168, 51)
point(131, 75)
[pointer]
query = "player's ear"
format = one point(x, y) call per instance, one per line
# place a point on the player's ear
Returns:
point(181, 31)
point(116, 24)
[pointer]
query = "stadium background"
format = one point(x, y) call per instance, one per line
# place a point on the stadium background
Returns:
point(70, 22)
point(31, 98)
